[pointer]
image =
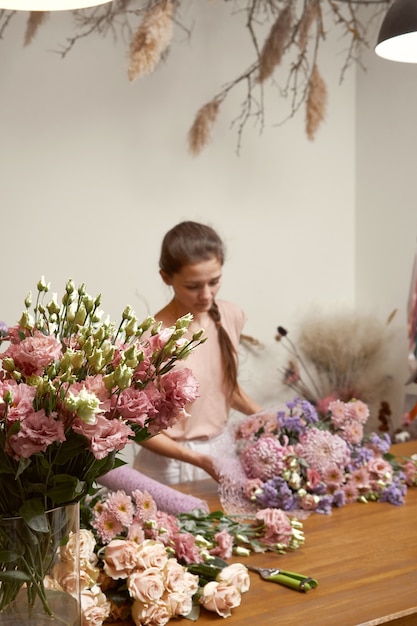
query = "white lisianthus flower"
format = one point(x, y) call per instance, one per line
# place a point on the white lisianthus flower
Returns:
point(86, 405)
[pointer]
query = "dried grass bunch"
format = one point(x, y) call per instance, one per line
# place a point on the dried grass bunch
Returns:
point(277, 30)
point(344, 355)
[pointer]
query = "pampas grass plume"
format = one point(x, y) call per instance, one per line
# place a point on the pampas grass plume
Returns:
point(199, 134)
point(35, 19)
point(310, 14)
point(151, 40)
point(316, 103)
point(274, 45)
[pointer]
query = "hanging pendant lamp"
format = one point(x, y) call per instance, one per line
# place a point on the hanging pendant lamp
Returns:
point(49, 5)
point(397, 39)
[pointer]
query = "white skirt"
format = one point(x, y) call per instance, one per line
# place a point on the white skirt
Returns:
point(170, 471)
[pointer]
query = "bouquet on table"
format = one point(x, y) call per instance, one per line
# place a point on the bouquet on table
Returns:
point(144, 564)
point(74, 390)
point(291, 460)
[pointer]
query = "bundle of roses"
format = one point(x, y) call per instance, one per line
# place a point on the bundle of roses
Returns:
point(293, 461)
point(145, 564)
point(74, 390)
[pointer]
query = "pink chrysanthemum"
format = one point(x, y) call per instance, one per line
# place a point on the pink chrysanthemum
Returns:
point(265, 458)
point(357, 411)
point(106, 525)
point(121, 505)
point(145, 506)
point(351, 492)
point(333, 476)
point(322, 450)
point(360, 478)
point(136, 533)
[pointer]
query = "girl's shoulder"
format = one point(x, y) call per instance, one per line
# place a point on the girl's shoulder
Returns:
point(231, 312)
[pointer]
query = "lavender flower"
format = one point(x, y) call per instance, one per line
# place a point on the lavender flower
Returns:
point(380, 442)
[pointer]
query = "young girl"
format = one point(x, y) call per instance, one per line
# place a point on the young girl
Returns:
point(191, 261)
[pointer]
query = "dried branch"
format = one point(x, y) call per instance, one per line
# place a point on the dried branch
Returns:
point(295, 34)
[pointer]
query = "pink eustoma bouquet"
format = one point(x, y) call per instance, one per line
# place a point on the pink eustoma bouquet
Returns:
point(74, 390)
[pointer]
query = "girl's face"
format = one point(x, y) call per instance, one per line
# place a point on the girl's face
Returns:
point(195, 286)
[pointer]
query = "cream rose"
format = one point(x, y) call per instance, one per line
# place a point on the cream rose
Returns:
point(120, 558)
point(237, 575)
point(156, 614)
point(95, 607)
point(152, 554)
point(220, 598)
point(147, 585)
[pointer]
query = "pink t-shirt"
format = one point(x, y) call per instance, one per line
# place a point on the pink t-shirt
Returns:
point(210, 411)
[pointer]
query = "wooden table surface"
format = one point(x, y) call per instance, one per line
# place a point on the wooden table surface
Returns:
point(364, 557)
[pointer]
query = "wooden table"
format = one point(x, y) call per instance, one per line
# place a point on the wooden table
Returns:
point(363, 555)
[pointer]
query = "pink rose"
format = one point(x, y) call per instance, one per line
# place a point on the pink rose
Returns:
point(224, 545)
point(179, 387)
point(120, 558)
point(277, 528)
point(134, 405)
point(237, 575)
point(186, 548)
point(22, 403)
point(220, 598)
point(105, 436)
point(34, 354)
point(37, 432)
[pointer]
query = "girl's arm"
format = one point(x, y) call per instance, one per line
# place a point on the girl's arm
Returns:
point(243, 403)
point(165, 446)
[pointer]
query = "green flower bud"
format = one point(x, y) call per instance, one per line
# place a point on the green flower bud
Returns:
point(86, 405)
point(80, 316)
point(70, 287)
point(123, 376)
point(28, 299)
point(53, 306)
point(8, 364)
point(241, 551)
point(128, 313)
point(26, 321)
point(95, 360)
point(42, 285)
point(81, 289)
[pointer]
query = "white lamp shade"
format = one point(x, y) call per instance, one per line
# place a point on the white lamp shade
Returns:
point(49, 5)
point(402, 48)
point(397, 39)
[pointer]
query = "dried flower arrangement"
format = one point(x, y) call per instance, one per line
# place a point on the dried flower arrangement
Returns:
point(340, 356)
point(294, 31)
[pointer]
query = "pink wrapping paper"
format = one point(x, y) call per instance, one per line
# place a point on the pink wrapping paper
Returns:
point(166, 498)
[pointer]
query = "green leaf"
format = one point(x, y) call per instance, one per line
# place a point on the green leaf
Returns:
point(14, 574)
point(194, 614)
point(33, 513)
point(66, 489)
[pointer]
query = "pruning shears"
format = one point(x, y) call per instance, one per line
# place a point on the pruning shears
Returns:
point(299, 582)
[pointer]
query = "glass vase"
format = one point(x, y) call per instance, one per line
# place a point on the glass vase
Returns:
point(39, 569)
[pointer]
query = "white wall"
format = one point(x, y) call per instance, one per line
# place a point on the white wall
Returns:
point(95, 170)
point(386, 216)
